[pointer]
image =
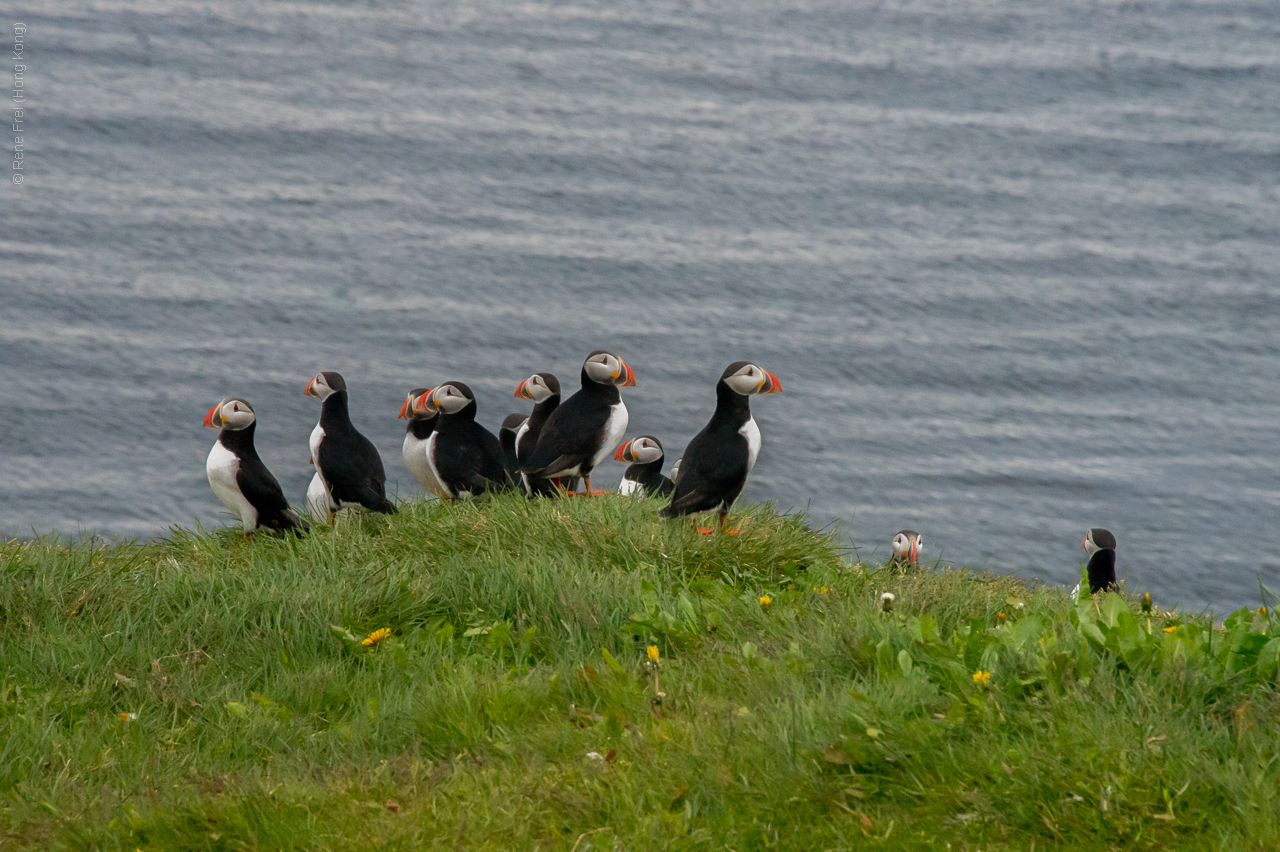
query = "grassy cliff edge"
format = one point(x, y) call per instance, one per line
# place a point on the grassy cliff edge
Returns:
point(480, 677)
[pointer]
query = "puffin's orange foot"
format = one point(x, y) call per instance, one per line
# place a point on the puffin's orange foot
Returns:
point(733, 532)
point(706, 530)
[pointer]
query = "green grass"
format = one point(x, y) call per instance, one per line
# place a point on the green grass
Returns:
point(253, 718)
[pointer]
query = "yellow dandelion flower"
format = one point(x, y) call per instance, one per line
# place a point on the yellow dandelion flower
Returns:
point(1262, 610)
point(822, 590)
point(982, 678)
point(1000, 616)
point(1171, 628)
point(376, 636)
point(652, 651)
point(765, 600)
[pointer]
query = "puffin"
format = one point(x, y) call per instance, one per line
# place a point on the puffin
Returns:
point(1100, 546)
point(582, 430)
point(544, 390)
point(507, 434)
point(907, 545)
point(238, 477)
point(715, 465)
point(318, 502)
point(675, 470)
point(465, 457)
point(347, 461)
point(422, 425)
point(644, 475)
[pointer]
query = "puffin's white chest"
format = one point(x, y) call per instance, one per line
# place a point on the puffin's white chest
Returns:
point(520, 433)
point(317, 435)
point(221, 468)
point(614, 428)
point(318, 500)
point(416, 460)
point(751, 432)
point(630, 486)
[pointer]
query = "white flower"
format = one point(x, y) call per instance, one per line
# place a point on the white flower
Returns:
point(886, 601)
point(594, 755)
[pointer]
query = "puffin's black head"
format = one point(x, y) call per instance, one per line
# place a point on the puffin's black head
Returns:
point(410, 411)
point(1097, 539)
point(539, 387)
point(642, 450)
point(907, 546)
point(605, 368)
point(234, 414)
point(452, 397)
point(746, 378)
point(512, 423)
point(325, 384)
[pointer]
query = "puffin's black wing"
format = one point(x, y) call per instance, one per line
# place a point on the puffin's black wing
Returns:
point(470, 459)
point(356, 476)
point(262, 491)
point(1102, 570)
point(571, 436)
point(712, 473)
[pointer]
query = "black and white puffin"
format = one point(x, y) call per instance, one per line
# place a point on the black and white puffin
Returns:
point(465, 456)
point(582, 430)
point(238, 477)
point(544, 390)
point(1100, 546)
point(715, 465)
point(347, 461)
point(422, 425)
point(907, 545)
point(644, 475)
point(507, 434)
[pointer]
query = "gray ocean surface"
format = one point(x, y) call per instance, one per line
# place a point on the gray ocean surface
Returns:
point(1015, 265)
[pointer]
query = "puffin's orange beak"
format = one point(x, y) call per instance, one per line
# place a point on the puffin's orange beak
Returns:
point(631, 377)
point(522, 390)
point(621, 454)
point(310, 389)
point(424, 400)
point(404, 410)
point(1084, 543)
point(772, 385)
point(209, 418)
point(915, 549)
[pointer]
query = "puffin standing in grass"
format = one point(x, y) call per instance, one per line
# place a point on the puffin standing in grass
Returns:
point(1100, 546)
point(422, 425)
point(644, 475)
point(715, 465)
point(347, 461)
point(238, 476)
point(544, 390)
point(465, 457)
point(907, 545)
point(582, 430)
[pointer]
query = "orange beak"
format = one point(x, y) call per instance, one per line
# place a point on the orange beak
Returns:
point(208, 418)
point(1084, 543)
point(631, 377)
point(915, 549)
point(404, 410)
point(772, 385)
point(522, 390)
point(621, 454)
point(310, 389)
point(424, 400)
